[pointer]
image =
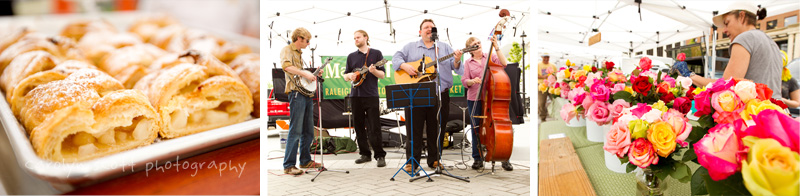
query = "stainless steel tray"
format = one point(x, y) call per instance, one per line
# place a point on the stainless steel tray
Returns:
point(122, 163)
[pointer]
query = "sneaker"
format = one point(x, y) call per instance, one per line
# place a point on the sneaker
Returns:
point(363, 159)
point(436, 164)
point(311, 164)
point(292, 170)
point(477, 165)
point(408, 168)
point(381, 162)
point(507, 166)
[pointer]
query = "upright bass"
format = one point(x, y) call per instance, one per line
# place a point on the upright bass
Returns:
point(495, 92)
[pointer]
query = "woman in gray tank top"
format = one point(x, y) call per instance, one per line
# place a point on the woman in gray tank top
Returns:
point(754, 56)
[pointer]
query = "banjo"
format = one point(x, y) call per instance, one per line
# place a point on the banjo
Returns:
point(305, 86)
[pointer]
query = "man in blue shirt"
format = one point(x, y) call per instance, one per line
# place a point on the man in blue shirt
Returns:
point(427, 116)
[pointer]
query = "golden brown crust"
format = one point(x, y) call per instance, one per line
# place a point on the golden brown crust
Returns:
point(248, 67)
point(129, 64)
point(147, 27)
point(13, 37)
point(230, 51)
point(96, 45)
point(25, 65)
point(16, 93)
point(60, 47)
point(77, 29)
point(85, 116)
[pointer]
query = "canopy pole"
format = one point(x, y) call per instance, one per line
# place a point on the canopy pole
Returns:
point(713, 54)
point(389, 20)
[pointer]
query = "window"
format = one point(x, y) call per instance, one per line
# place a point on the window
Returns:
point(772, 24)
point(790, 20)
point(650, 52)
point(638, 53)
point(660, 51)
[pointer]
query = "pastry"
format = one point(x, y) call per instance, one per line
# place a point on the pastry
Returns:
point(95, 45)
point(60, 47)
point(198, 96)
point(165, 35)
point(129, 64)
point(147, 27)
point(13, 37)
point(229, 51)
point(29, 79)
point(25, 65)
point(85, 116)
point(77, 29)
point(248, 67)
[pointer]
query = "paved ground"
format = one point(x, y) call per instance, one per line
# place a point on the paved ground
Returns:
point(368, 179)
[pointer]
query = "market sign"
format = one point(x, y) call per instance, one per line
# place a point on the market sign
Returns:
point(335, 87)
point(594, 39)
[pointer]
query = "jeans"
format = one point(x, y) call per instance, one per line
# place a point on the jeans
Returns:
point(476, 142)
point(367, 126)
point(301, 129)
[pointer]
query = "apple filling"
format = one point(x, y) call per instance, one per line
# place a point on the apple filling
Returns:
point(86, 144)
point(214, 116)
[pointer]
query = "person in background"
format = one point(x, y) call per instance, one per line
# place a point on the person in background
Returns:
point(754, 56)
point(790, 88)
point(473, 70)
point(543, 69)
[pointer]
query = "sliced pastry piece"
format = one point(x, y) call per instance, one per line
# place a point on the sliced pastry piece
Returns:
point(129, 64)
point(78, 28)
point(12, 37)
point(148, 26)
point(86, 116)
point(25, 65)
point(229, 51)
point(15, 95)
point(60, 47)
point(191, 98)
point(248, 67)
point(95, 45)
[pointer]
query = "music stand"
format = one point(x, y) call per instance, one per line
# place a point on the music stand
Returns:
point(409, 96)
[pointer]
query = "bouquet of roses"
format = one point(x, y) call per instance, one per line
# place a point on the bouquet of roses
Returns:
point(744, 138)
point(650, 137)
point(647, 87)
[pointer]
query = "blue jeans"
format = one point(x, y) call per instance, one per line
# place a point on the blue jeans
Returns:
point(475, 123)
point(301, 129)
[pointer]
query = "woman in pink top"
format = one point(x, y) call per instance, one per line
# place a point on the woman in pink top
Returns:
point(473, 71)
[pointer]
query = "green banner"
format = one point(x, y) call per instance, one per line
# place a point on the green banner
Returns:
point(335, 87)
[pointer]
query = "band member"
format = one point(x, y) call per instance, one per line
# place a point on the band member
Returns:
point(365, 98)
point(426, 116)
point(301, 116)
point(473, 70)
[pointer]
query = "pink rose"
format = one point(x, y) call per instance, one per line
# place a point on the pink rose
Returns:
point(669, 80)
point(600, 92)
point(618, 140)
point(567, 112)
point(550, 80)
point(680, 124)
point(587, 102)
point(726, 100)
point(726, 117)
point(702, 102)
point(684, 82)
point(652, 116)
point(642, 153)
point(681, 57)
point(598, 112)
point(776, 125)
point(717, 151)
point(720, 85)
point(641, 109)
point(579, 99)
point(618, 106)
point(644, 63)
point(746, 90)
point(617, 88)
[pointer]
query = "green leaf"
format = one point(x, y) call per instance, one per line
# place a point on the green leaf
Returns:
point(659, 78)
point(624, 95)
point(689, 155)
point(629, 168)
point(733, 185)
point(682, 172)
point(698, 182)
point(698, 132)
point(624, 160)
point(706, 121)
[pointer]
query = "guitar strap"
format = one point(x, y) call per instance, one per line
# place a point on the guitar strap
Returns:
point(366, 58)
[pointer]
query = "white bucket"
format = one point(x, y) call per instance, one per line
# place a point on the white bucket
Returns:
point(595, 132)
point(577, 122)
point(612, 163)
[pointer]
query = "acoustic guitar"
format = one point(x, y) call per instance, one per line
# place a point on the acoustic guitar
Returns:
point(362, 72)
point(424, 68)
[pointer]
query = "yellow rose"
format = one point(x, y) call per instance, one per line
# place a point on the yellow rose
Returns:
point(629, 89)
point(726, 101)
point(770, 168)
point(556, 91)
point(587, 67)
point(572, 85)
point(542, 87)
point(568, 63)
point(660, 106)
point(755, 106)
point(699, 90)
point(578, 74)
point(566, 73)
point(663, 138)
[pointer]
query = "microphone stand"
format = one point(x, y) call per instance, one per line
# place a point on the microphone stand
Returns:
point(439, 169)
point(321, 154)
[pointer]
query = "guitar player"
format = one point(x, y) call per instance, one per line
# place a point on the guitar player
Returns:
point(301, 126)
point(364, 98)
point(426, 116)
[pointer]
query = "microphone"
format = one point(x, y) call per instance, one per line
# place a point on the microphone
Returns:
point(434, 34)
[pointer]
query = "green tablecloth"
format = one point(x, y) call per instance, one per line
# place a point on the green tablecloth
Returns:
point(604, 181)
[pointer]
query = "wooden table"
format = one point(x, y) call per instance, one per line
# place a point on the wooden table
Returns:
point(560, 169)
point(203, 180)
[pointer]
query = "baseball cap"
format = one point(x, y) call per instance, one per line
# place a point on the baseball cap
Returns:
point(719, 20)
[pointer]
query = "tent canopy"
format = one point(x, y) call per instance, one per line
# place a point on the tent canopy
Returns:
point(624, 29)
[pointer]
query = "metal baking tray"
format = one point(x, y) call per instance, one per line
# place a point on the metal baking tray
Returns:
point(122, 163)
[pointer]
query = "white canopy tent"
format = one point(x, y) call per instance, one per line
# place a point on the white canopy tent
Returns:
point(332, 23)
point(628, 25)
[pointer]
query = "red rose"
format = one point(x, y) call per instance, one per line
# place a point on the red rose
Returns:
point(667, 97)
point(763, 91)
point(642, 85)
point(663, 88)
point(609, 65)
point(779, 103)
point(682, 104)
point(681, 57)
point(645, 63)
point(594, 69)
point(690, 93)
